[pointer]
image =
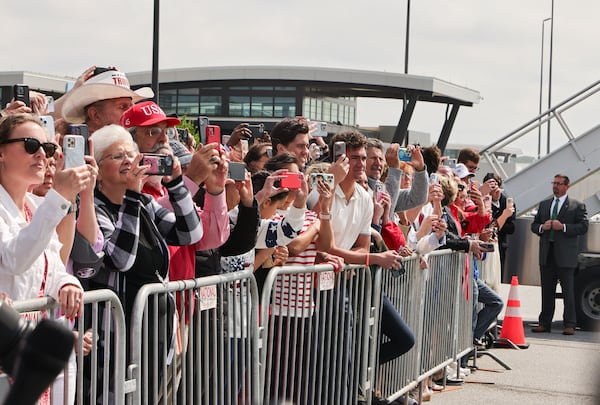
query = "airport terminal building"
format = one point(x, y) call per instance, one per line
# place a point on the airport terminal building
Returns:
point(265, 94)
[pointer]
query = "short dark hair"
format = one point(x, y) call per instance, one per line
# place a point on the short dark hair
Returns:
point(280, 160)
point(564, 177)
point(352, 139)
point(467, 154)
point(432, 155)
point(286, 130)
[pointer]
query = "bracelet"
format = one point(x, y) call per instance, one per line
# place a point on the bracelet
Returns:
point(367, 260)
point(324, 216)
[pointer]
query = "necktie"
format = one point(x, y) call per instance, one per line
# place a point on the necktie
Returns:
point(554, 215)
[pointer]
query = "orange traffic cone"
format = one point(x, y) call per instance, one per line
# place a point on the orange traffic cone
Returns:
point(512, 333)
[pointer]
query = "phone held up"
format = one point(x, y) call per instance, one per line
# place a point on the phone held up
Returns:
point(80, 129)
point(339, 149)
point(160, 165)
point(73, 150)
point(404, 155)
point(326, 178)
point(237, 171)
point(290, 180)
point(21, 93)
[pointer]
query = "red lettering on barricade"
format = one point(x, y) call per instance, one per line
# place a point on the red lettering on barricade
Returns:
point(208, 297)
point(326, 280)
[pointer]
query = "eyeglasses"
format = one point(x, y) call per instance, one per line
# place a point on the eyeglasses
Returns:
point(120, 156)
point(461, 187)
point(556, 183)
point(156, 131)
point(32, 145)
point(473, 168)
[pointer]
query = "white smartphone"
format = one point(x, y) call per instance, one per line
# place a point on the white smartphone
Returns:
point(73, 149)
point(48, 123)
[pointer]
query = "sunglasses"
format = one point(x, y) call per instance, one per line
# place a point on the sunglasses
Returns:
point(32, 145)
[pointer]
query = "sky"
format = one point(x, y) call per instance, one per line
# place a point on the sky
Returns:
point(492, 47)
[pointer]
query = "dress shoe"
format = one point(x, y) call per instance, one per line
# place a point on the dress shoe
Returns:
point(569, 331)
point(478, 343)
point(540, 329)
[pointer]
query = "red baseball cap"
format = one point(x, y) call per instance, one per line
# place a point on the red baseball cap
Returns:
point(146, 114)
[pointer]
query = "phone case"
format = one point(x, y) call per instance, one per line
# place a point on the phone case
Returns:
point(213, 134)
point(73, 150)
point(326, 178)
point(291, 180)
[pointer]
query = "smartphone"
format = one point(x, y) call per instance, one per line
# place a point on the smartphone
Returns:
point(257, 130)
point(486, 247)
point(339, 148)
point(321, 129)
point(244, 143)
point(203, 122)
point(451, 163)
point(73, 149)
point(316, 178)
point(269, 152)
point(379, 190)
point(48, 123)
point(434, 179)
point(100, 70)
point(50, 104)
point(21, 93)
point(510, 202)
point(160, 165)
point(404, 155)
point(213, 134)
point(291, 180)
point(237, 171)
point(80, 129)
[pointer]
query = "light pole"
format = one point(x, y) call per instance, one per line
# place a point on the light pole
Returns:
point(541, 89)
point(550, 75)
point(155, 50)
point(406, 40)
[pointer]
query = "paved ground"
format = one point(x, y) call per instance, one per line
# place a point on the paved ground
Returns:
point(556, 369)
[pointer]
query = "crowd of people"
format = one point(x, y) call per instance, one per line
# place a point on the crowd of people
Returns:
point(114, 222)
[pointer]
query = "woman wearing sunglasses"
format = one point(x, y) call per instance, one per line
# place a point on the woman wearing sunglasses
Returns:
point(31, 261)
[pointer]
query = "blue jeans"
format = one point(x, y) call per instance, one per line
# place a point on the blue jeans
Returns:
point(492, 306)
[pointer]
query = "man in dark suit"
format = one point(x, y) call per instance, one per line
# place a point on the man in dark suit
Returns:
point(559, 222)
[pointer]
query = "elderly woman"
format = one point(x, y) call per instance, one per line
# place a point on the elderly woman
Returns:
point(136, 228)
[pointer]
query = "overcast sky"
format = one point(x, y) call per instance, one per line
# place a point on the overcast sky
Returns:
point(493, 47)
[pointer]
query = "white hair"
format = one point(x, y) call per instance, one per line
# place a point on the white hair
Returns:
point(107, 136)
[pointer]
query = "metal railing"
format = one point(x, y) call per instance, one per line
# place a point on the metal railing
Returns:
point(210, 352)
point(317, 339)
point(88, 380)
point(555, 112)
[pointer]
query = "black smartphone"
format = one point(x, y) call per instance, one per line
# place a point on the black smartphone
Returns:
point(257, 130)
point(80, 129)
point(486, 247)
point(21, 93)
point(100, 70)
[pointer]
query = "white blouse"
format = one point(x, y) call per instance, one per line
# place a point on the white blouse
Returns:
point(22, 246)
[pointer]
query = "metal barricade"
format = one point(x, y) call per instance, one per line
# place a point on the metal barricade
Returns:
point(406, 294)
point(436, 304)
point(207, 353)
point(87, 379)
point(315, 330)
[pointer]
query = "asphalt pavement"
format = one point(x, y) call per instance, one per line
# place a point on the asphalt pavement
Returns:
point(555, 369)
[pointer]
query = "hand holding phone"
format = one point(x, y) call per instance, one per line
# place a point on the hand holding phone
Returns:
point(160, 165)
point(21, 93)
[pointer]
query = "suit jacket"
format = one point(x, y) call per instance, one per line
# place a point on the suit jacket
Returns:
point(573, 215)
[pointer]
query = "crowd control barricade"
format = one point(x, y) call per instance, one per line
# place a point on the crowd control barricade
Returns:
point(315, 327)
point(406, 292)
point(196, 341)
point(436, 304)
point(86, 379)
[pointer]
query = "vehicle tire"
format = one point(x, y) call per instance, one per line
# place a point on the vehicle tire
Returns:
point(587, 298)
